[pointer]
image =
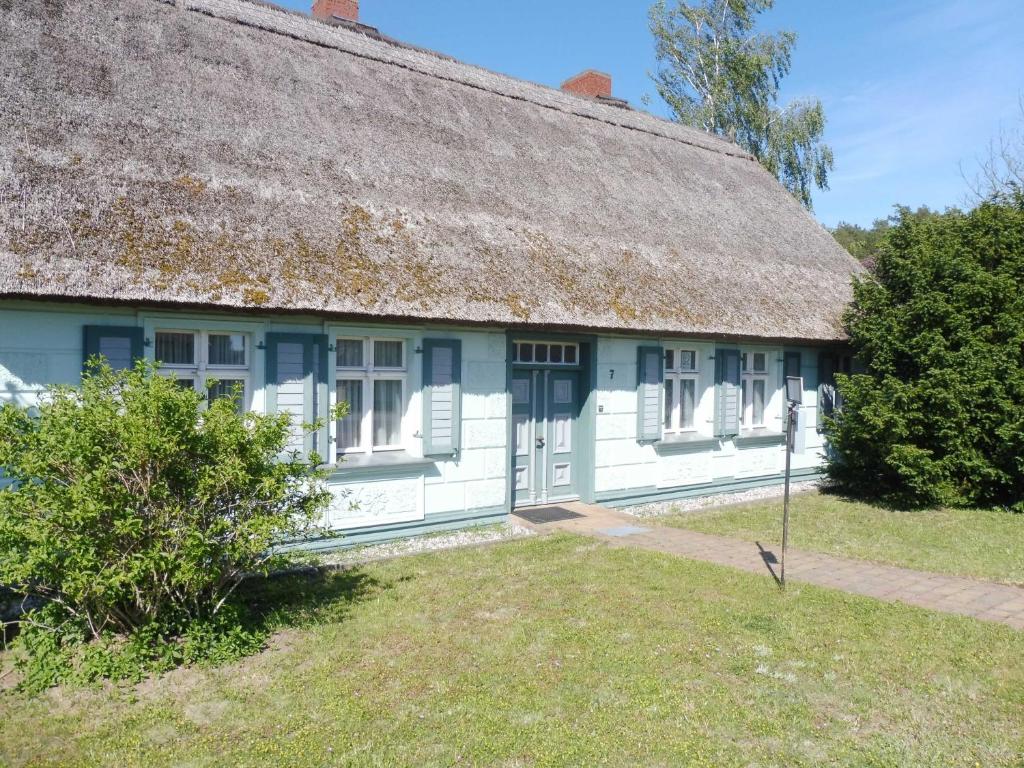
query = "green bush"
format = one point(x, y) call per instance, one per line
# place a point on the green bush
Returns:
point(133, 517)
point(937, 418)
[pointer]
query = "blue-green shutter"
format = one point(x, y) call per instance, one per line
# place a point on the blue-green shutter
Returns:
point(650, 390)
point(727, 392)
point(120, 345)
point(793, 366)
point(442, 396)
point(826, 386)
point(297, 383)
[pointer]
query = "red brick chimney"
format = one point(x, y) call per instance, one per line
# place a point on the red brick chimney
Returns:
point(325, 10)
point(589, 83)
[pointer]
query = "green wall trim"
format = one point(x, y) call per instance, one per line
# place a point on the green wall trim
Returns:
point(650, 495)
point(359, 537)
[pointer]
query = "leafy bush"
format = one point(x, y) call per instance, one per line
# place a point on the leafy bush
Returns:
point(134, 516)
point(938, 416)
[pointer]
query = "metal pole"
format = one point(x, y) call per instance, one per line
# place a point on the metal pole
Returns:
point(785, 504)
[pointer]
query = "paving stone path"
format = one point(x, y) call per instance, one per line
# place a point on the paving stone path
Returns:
point(983, 600)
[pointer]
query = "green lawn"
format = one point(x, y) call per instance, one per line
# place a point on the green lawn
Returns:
point(559, 651)
point(985, 544)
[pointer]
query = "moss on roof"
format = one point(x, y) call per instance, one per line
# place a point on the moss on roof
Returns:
point(231, 154)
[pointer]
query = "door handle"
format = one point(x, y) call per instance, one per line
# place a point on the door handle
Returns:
point(540, 443)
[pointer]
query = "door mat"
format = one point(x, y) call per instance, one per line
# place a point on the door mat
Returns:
point(541, 515)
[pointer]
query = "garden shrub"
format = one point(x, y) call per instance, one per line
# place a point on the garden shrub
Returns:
point(937, 416)
point(133, 517)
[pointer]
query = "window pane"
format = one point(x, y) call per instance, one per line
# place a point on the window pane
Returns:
point(746, 399)
point(387, 413)
point(350, 428)
point(185, 383)
point(570, 355)
point(556, 353)
point(758, 402)
point(670, 359)
point(515, 353)
point(687, 360)
point(759, 362)
point(176, 348)
point(227, 349)
point(743, 357)
point(349, 353)
point(669, 389)
point(687, 396)
point(540, 353)
point(388, 354)
point(228, 388)
point(526, 353)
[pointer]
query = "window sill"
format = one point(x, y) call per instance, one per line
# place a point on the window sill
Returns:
point(760, 437)
point(380, 463)
point(686, 442)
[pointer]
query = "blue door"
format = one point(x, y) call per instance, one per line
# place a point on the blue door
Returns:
point(545, 419)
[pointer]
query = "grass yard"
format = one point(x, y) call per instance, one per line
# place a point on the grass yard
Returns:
point(985, 544)
point(559, 651)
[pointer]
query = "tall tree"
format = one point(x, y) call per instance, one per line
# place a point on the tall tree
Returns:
point(717, 74)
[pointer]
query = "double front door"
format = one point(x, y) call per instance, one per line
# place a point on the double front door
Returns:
point(545, 415)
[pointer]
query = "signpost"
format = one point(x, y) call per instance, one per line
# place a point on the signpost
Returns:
point(794, 396)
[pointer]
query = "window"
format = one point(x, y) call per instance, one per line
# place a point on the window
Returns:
point(681, 399)
point(755, 389)
point(545, 353)
point(830, 399)
point(193, 358)
point(371, 378)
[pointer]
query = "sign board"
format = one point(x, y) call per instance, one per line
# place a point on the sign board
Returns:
point(795, 389)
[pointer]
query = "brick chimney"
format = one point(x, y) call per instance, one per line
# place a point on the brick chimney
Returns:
point(589, 83)
point(325, 10)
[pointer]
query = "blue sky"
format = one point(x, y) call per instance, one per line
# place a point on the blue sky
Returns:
point(913, 89)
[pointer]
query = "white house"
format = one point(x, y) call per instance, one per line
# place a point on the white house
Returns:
point(527, 295)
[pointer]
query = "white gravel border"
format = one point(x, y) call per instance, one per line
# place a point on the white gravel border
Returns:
point(698, 503)
point(431, 542)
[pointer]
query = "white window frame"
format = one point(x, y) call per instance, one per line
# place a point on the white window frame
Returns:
point(517, 345)
point(368, 374)
point(675, 374)
point(749, 375)
point(201, 370)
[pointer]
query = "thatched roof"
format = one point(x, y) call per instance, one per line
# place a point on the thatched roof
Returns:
point(228, 153)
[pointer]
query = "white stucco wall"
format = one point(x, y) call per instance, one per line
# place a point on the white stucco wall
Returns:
point(41, 344)
point(624, 464)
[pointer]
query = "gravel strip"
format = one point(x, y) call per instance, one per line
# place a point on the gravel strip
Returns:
point(719, 500)
point(436, 542)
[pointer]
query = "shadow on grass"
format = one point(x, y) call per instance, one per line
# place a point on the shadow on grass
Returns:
point(305, 599)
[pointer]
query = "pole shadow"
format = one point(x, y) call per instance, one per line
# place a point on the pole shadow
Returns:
point(770, 561)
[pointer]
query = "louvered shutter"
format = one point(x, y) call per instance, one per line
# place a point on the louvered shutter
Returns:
point(297, 366)
point(826, 386)
point(120, 346)
point(727, 392)
point(442, 396)
point(650, 391)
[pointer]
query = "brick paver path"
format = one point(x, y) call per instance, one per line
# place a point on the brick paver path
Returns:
point(980, 599)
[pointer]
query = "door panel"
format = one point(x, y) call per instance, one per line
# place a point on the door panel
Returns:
point(523, 430)
point(562, 419)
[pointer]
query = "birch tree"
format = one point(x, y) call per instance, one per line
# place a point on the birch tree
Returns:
point(718, 74)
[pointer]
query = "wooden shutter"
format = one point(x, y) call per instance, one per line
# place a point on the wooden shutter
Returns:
point(826, 386)
point(442, 396)
point(121, 346)
point(297, 367)
point(649, 392)
point(727, 392)
point(793, 366)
